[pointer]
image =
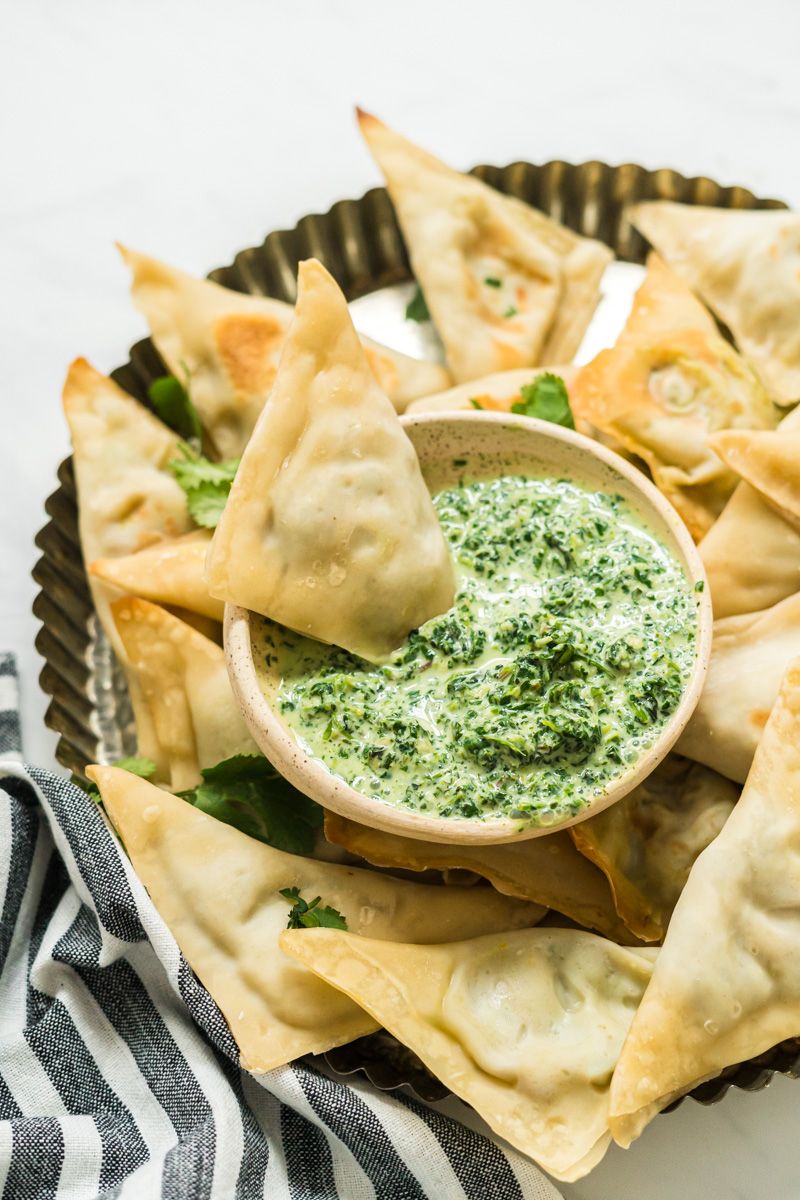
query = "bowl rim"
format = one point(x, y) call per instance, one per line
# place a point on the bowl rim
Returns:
point(310, 775)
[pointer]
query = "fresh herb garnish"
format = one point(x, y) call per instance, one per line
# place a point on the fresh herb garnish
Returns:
point(511, 311)
point(143, 767)
point(247, 792)
point(700, 586)
point(307, 914)
point(417, 307)
point(546, 398)
point(207, 484)
point(475, 403)
point(493, 281)
point(172, 402)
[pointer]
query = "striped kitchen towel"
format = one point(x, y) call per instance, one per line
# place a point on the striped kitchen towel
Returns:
point(118, 1075)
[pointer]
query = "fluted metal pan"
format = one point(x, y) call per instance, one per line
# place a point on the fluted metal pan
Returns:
point(360, 243)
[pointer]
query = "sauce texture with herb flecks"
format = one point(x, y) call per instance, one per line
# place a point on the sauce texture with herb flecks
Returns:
point(568, 648)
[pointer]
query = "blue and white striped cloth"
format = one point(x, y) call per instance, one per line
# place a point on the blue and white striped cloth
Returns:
point(118, 1074)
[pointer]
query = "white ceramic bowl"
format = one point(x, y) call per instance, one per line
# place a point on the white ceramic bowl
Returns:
point(491, 443)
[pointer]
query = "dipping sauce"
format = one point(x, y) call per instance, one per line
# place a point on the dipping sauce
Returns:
point(568, 648)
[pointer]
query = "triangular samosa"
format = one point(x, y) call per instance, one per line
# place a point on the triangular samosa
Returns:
point(495, 393)
point(230, 344)
point(769, 570)
point(746, 266)
point(525, 1027)
point(169, 572)
point(545, 870)
point(647, 842)
point(329, 527)
point(668, 383)
point(127, 498)
point(218, 890)
point(726, 986)
point(186, 715)
point(769, 462)
point(749, 655)
point(506, 285)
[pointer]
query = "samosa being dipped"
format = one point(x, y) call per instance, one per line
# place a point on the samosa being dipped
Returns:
point(329, 527)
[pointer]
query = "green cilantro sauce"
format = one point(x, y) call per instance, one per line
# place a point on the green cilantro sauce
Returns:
point(567, 649)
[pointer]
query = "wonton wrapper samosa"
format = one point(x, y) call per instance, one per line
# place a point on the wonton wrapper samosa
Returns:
point(230, 344)
point(329, 527)
point(752, 553)
point(647, 842)
point(545, 870)
point(127, 498)
point(186, 714)
point(506, 285)
point(496, 393)
point(746, 266)
point(218, 891)
point(749, 655)
point(669, 383)
point(726, 985)
point(769, 462)
point(169, 572)
point(525, 1027)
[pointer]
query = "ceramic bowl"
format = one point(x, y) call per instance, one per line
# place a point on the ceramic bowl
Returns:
point(491, 443)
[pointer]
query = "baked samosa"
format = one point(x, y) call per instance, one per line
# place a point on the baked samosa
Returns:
point(506, 286)
point(647, 842)
point(170, 572)
point(526, 1027)
point(749, 655)
point(218, 891)
point(668, 383)
point(495, 393)
point(329, 527)
point(545, 870)
point(726, 985)
point(230, 344)
point(769, 462)
point(127, 498)
point(752, 553)
point(186, 715)
point(746, 267)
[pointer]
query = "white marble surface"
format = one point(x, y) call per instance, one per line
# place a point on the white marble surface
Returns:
point(190, 129)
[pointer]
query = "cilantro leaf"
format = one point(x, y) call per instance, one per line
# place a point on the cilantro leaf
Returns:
point(247, 792)
point(417, 307)
point(493, 281)
point(207, 484)
point(172, 403)
point(306, 914)
point(546, 398)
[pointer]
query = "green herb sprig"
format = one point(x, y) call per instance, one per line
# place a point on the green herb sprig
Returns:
point(307, 914)
point(247, 792)
point(171, 401)
point(546, 398)
point(207, 484)
point(417, 307)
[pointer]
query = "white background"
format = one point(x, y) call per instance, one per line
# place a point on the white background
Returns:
point(189, 130)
